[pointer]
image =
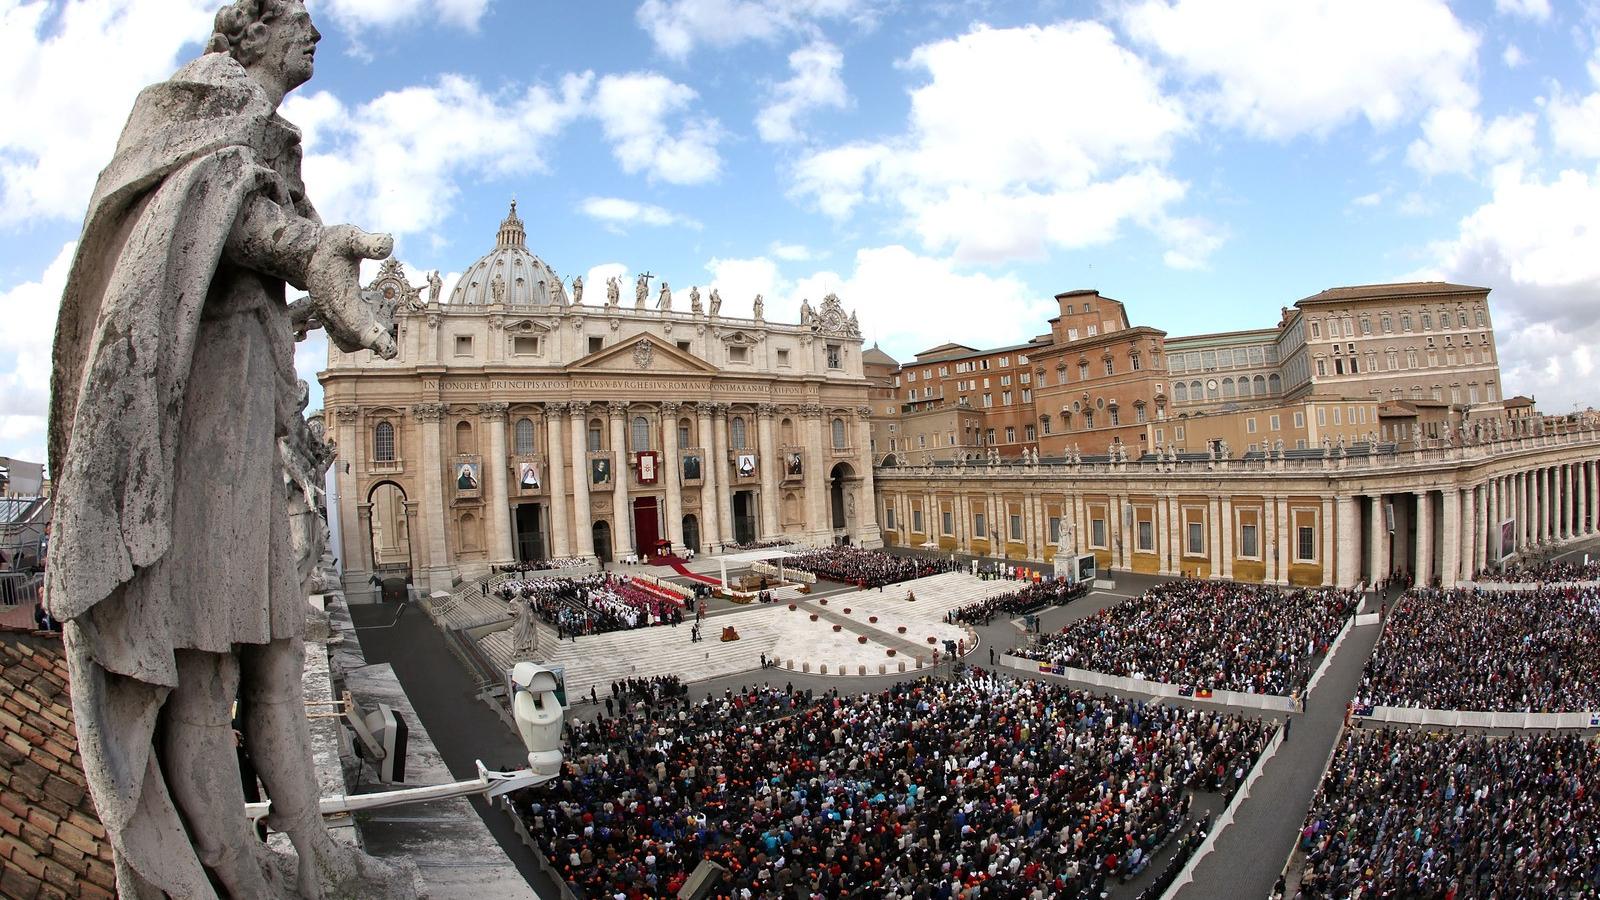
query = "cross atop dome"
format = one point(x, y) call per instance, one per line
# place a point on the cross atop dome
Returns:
point(511, 232)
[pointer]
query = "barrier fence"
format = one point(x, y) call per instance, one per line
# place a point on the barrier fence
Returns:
point(1456, 718)
point(1226, 817)
point(1116, 683)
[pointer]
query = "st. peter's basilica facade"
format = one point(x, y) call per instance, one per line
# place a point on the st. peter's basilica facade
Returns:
point(521, 421)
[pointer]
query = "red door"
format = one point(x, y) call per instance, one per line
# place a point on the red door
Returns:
point(645, 530)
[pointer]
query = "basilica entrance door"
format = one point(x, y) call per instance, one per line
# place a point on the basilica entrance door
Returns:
point(744, 516)
point(646, 525)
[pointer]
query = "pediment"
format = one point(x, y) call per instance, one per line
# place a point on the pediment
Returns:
point(738, 338)
point(644, 353)
point(527, 326)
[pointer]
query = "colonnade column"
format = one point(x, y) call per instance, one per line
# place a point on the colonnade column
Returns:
point(1377, 538)
point(1214, 536)
point(710, 473)
point(1449, 536)
point(1523, 531)
point(428, 416)
point(674, 471)
point(1227, 537)
point(494, 472)
point(582, 521)
point(1269, 534)
point(1594, 496)
point(1330, 573)
point(1347, 559)
point(1162, 523)
point(554, 419)
point(769, 463)
point(719, 437)
point(1174, 536)
point(1284, 549)
point(621, 465)
point(866, 507)
point(819, 517)
point(1029, 538)
point(1424, 555)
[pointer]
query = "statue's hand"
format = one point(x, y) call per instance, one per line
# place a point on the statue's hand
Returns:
point(352, 321)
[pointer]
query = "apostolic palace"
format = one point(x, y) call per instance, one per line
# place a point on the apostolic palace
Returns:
point(1362, 437)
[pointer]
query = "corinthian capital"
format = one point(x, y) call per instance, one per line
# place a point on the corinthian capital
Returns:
point(493, 411)
point(428, 412)
point(670, 407)
point(347, 414)
point(617, 409)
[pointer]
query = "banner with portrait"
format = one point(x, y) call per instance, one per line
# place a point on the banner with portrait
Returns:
point(1508, 538)
point(793, 465)
point(745, 465)
point(600, 470)
point(528, 477)
point(647, 466)
point(467, 479)
point(691, 467)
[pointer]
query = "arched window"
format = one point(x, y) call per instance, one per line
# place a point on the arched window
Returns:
point(596, 435)
point(786, 429)
point(1180, 392)
point(1244, 385)
point(524, 437)
point(383, 442)
point(736, 429)
point(641, 433)
point(1228, 392)
point(1260, 385)
point(838, 434)
point(1197, 391)
point(464, 437)
point(683, 432)
point(1274, 384)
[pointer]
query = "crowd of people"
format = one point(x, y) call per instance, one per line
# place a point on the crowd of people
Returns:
point(595, 604)
point(1210, 635)
point(1413, 814)
point(1016, 603)
point(1546, 573)
point(1498, 651)
point(1008, 788)
point(865, 568)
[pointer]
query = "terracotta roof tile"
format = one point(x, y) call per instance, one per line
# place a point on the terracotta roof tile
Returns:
point(51, 841)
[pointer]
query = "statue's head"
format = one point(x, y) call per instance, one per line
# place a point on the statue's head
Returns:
point(272, 37)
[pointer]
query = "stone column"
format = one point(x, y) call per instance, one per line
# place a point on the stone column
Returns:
point(1174, 536)
point(1028, 543)
point(1160, 523)
point(1594, 495)
point(820, 517)
point(673, 473)
point(870, 535)
point(495, 476)
point(1379, 548)
point(1330, 574)
point(555, 416)
point(1214, 536)
point(355, 535)
point(1476, 498)
point(363, 519)
point(1347, 556)
point(710, 527)
point(1282, 547)
point(719, 428)
point(1421, 569)
point(1524, 498)
point(1540, 509)
point(1449, 536)
point(582, 520)
point(435, 557)
point(1227, 537)
point(769, 463)
point(621, 466)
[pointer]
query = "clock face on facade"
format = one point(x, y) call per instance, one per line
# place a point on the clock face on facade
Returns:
point(1211, 385)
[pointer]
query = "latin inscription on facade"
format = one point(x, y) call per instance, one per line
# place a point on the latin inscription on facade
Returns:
point(626, 384)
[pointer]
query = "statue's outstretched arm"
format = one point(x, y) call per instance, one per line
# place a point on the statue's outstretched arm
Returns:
point(271, 239)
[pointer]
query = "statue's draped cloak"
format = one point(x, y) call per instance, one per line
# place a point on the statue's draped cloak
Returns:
point(173, 379)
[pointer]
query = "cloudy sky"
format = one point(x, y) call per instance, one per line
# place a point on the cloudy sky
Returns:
point(944, 166)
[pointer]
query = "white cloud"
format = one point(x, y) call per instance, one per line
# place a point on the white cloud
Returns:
point(1278, 69)
point(1537, 243)
point(1575, 124)
point(1538, 10)
point(633, 111)
point(815, 85)
point(969, 180)
point(677, 26)
point(29, 311)
point(618, 213)
point(1456, 140)
point(738, 281)
point(792, 252)
point(62, 111)
point(1512, 56)
point(1372, 199)
point(357, 16)
point(394, 164)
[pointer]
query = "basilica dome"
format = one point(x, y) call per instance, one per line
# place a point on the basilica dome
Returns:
point(509, 273)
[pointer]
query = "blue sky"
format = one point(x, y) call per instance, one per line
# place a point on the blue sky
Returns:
point(945, 167)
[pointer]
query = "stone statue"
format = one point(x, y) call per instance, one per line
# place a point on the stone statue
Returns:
point(694, 301)
point(641, 291)
point(577, 291)
point(177, 448)
point(807, 316)
point(497, 289)
point(614, 291)
point(664, 299)
point(716, 303)
point(523, 634)
point(760, 307)
point(558, 292)
point(1067, 541)
point(435, 285)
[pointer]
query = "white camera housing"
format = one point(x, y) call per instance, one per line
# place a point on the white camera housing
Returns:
point(537, 710)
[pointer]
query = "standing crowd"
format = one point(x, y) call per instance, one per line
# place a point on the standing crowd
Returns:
point(1211, 635)
point(1497, 651)
point(984, 785)
point(1016, 603)
point(595, 604)
point(1546, 572)
point(865, 568)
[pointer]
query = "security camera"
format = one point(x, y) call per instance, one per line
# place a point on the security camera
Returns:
point(536, 706)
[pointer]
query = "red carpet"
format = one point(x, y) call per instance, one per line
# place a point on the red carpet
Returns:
point(666, 559)
point(682, 570)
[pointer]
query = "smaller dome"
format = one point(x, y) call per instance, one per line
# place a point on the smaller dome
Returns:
point(518, 277)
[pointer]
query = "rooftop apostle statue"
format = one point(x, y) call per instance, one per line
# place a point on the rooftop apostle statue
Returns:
point(173, 386)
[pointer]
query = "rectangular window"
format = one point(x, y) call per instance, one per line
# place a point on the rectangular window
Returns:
point(888, 516)
point(1116, 419)
point(738, 354)
point(1300, 420)
point(525, 345)
point(1139, 414)
point(988, 401)
point(1027, 395)
point(835, 357)
point(783, 358)
point(1111, 366)
point(988, 436)
point(1177, 433)
point(1197, 539)
point(1055, 529)
point(1025, 377)
point(1161, 436)
point(1005, 380)
point(1306, 549)
point(596, 344)
point(1147, 538)
point(1097, 533)
point(1083, 371)
point(1016, 527)
point(463, 345)
point(916, 520)
point(1248, 546)
point(1029, 433)
point(1250, 426)
point(947, 522)
point(1011, 434)
point(978, 527)
point(1005, 398)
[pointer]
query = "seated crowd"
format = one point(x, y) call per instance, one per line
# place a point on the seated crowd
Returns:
point(1016, 603)
point(1413, 814)
point(865, 568)
point(1498, 651)
point(1008, 788)
point(1211, 635)
point(595, 604)
point(1545, 573)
